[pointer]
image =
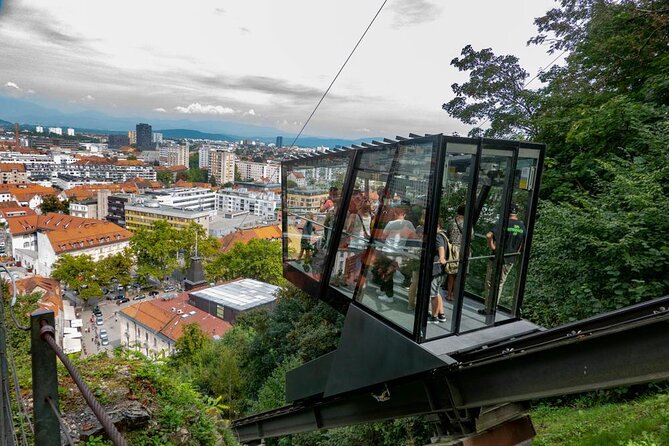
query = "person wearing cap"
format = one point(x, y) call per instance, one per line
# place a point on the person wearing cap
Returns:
point(515, 229)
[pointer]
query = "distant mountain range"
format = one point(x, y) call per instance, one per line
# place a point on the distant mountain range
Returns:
point(30, 114)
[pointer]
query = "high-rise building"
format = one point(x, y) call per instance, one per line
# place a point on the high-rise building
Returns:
point(132, 137)
point(177, 156)
point(70, 132)
point(204, 157)
point(157, 138)
point(39, 129)
point(279, 142)
point(117, 141)
point(222, 166)
point(56, 130)
point(144, 136)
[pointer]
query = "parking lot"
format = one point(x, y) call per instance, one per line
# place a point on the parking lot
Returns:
point(91, 342)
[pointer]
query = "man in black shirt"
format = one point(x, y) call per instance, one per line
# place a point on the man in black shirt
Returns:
point(512, 247)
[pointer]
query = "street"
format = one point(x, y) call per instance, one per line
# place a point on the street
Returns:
point(90, 339)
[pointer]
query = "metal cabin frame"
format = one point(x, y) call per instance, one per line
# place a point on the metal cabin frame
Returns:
point(476, 193)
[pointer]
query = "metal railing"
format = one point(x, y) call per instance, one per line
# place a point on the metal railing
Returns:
point(48, 419)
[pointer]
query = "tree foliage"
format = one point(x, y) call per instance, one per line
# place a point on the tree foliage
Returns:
point(83, 274)
point(51, 203)
point(166, 177)
point(496, 93)
point(603, 113)
point(258, 259)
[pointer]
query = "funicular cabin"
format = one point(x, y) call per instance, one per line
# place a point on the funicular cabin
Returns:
point(361, 227)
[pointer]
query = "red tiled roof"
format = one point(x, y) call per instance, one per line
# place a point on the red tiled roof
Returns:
point(67, 233)
point(245, 235)
point(51, 299)
point(169, 317)
point(8, 167)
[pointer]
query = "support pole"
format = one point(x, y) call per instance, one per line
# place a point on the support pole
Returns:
point(45, 382)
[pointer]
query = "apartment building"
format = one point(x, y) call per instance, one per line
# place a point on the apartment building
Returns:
point(13, 173)
point(177, 156)
point(253, 171)
point(222, 165)
point(190, 198)
point(38, 241)
point(145, 215)
point(263, 204)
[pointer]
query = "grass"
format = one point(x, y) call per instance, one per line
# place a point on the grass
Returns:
point(643, 422)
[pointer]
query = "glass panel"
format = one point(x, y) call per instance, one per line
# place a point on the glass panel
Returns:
point(396, 180)
point(368, 185)
point(312, 200)
point(481, 299)
point(458, 167)
point(523, 185)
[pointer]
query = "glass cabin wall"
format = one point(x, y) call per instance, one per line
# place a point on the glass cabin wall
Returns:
point(378, 257)
point(312, 194)
point(459, 163)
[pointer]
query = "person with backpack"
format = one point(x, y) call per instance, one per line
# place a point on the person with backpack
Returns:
point(438, 274)
point(514, 244)
point(455, 236)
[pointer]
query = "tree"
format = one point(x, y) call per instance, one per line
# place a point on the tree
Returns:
point(238, 175)
point(192, 340)
point(155, 250)
point(495, 93)
point(258, 259)
point(115, 268)
point(165, 177)
point(78, 273)
point(599, 238)
point(194, 233)
point(51, 203)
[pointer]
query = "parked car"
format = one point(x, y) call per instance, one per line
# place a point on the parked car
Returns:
point(97, 311)
point(154, 293)
point(122, 301)
point(139, 297)
point(99, 320)
point(169, 289)
point(104, 338)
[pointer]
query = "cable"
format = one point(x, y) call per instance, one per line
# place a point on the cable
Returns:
point(63, 426)
point(13, 301)
point(338, 73)
point(46, 333)
point(17, 388)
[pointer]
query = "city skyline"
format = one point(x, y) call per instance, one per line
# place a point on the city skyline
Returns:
point(262, 64)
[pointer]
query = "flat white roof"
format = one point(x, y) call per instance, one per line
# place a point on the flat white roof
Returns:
point(241, 294)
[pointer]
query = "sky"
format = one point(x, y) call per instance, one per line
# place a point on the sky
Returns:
point(259, 62)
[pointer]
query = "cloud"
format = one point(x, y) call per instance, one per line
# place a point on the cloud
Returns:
point(363, 130)
point(13, 85)
point(244, 29)
point(30, 91)
point(199, 109)
point(414, 12)
point(160, 110)
point(251, 112)
point(88, 98)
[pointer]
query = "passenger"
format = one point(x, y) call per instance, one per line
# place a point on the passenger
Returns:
point(307, 232)
point(513, 246)
point(358, 226)
point(398, 231)
point(455, 236)
point(329, 207)
point(438, 273)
